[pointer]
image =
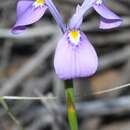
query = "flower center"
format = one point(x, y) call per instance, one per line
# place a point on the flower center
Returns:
point(38, 3)
point(98, 2)
point(74, 37)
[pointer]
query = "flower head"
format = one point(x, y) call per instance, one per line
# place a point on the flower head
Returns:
point(75, 59)
point(108, 18)
point(75, 56)
point(30, 11)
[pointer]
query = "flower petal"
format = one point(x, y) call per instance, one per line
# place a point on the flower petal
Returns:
point(105, 12)
point(26, 15)
point(55, 13)
point(77, 18)
point(108, 24)
point(22, 5)
point(73, 21)
point(73, 62)
point(87, 4)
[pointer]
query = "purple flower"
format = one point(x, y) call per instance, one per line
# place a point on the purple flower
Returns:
point(75, 56)
point(30, 11)
point(108, 18)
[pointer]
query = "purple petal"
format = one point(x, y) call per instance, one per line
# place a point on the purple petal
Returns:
point(73, 62)
point(55, 13)
point(26, 15)
point(22, 6)
point(108, 24)
point(74, 23)
point(105, 12)
point(87, 4)
point(77, 18)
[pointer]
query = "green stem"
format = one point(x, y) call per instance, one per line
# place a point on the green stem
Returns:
point(71, 110)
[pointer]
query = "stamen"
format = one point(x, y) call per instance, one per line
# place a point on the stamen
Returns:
point(74, 37)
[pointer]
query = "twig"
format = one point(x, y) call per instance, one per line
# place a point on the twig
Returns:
point(27, 98)
point(112, 89)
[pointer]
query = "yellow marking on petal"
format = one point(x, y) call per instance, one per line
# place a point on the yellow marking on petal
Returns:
point(40, 2)
point(74, 36)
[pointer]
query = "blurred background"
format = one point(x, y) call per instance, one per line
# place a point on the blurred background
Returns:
point(26, 69)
